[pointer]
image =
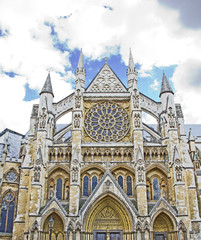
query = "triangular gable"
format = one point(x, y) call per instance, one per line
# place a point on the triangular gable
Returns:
point(108, 184)
point(53, 204)
point(162, 203)
point(106, 81)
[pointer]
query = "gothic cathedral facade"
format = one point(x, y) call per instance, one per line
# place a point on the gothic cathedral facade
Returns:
point(101, 177)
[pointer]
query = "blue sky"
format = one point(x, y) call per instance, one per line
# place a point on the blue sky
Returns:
point(46, 36)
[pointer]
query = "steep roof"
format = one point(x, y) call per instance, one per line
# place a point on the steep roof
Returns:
point(165, 86)
point(47, 87)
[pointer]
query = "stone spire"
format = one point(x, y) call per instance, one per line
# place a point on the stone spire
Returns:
point(131, 65)
point(165, 86)
point(47, 87)
point(80, 66)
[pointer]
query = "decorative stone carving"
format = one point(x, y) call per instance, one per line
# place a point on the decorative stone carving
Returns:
point(137, 121)
point(136, 99)
point(37, 174)
point(179, 110)
point(75, 171)
point(140, 171)
point(43, 117)
point(34, 111)
point(106, 81)
point(179, 170)
point(77, 120)
point(107, 122)
point(78, 99)
point(171, 117)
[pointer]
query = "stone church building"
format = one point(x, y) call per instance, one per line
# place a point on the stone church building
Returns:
point(107, 175)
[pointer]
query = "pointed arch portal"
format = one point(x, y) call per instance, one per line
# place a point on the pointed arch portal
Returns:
point(164, 227)
point(108, 218)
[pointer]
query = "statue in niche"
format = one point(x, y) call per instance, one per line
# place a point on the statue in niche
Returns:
point(135, 99)
point(140, 174)
point(77, 120)
point(51, 194)
point(171, 118)
point(43, 118)
point(75, 173)
point(137, 120)
point(179, 173)
point(67, 193)
point(78, 99)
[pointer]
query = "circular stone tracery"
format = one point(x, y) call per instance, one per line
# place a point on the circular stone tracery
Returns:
point(107, 122)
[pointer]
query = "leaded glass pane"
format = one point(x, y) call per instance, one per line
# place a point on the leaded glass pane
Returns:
point(94, 182)
point(156, 188)
point(129, 186)
point(85, 186)
point(59, 189)
point(120, 181)
point(106, 122)
point(10, 218)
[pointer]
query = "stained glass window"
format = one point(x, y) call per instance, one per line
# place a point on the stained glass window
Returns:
point(156, 188)
point(7, 214)
point(94, 182)
point(86, 186)
point(107, 122)
point(129, 186)
point(120, 181)
point(59, 189)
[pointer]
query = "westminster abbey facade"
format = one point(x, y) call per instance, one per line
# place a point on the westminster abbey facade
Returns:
point(107, 175)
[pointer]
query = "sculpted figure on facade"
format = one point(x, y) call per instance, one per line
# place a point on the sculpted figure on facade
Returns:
point(78, 99)
point(171, 118)
point(135, 99)
point(137, 120)
point(43, 117)
point(77, 120)
point(75, 171)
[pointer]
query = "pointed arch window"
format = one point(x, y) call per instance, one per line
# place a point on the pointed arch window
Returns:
point(86, 186)
point(59, 189)
point(7, 213)
point(129, 186)
point(120, 181)
point(155, 188)
point(94, 182)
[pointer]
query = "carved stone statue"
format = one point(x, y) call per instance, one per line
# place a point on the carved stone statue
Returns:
point(140, 174)
point(135, 99)
point(77, 120)
point(171, 118)
point(43, 118)
point(137, 120)
point(75, 173)
point(178, 173)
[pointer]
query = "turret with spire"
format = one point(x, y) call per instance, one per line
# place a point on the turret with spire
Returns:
point(80, 73)
point(131, 73)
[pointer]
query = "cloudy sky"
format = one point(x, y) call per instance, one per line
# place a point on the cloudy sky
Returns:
point(40, 36)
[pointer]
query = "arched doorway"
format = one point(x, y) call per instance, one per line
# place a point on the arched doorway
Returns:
point(163, 228)
point(56, 231)
point(108, 219)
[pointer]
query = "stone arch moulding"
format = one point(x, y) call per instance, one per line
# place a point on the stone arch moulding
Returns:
point(48, 213)
point(169, 214)
point(108, 209)
point(57, 167)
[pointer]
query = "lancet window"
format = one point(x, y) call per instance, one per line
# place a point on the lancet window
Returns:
point(129, 186)
point(7, 213)
point(120, 181)
point(86, 186)
point(59, 188)
point(94, 182)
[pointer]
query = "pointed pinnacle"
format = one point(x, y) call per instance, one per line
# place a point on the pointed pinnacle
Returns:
point(47, 87)
point(165, 85)
point(81, 61)
point(131, 64)
point(190, 136)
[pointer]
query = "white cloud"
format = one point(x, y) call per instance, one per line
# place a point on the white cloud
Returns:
point(155, 85)
point(187, 82)
point(141, 25)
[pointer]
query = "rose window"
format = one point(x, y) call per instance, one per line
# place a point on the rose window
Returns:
point(11, 176)
point(106, 122)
